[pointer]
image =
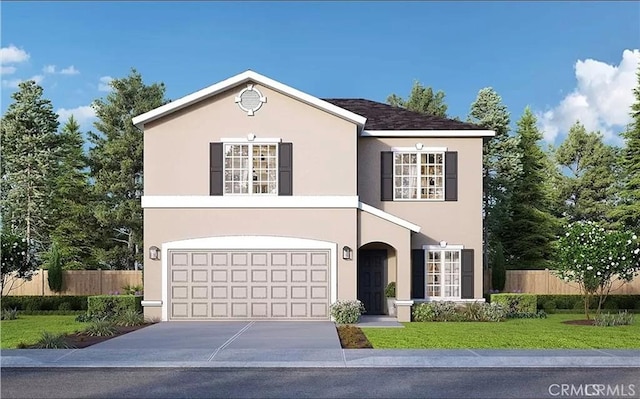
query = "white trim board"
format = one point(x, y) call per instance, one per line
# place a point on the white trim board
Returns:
point(243, 77)
point(428, 133)
point(388, 217)
point(248, 243)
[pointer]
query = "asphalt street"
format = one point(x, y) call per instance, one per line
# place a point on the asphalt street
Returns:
point(319, 383)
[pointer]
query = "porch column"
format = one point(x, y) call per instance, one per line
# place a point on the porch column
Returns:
point(403, 277)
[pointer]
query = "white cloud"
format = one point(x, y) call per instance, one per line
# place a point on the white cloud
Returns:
point(601, 100)
point(12, 55)
point(84, 114)
point(7, 70)
point(13, 83)
point(69, 71)
point(49, 69)
point(105, 83)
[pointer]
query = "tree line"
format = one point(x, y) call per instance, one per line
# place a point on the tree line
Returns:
point(86, 205)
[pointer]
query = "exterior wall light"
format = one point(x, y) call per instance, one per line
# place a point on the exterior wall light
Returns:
point(347, 253)
point(154, 253)
point(443, 244)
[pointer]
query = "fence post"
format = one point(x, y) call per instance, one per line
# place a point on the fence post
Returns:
point(100, 280)
point(547, 272)
point(42, 282)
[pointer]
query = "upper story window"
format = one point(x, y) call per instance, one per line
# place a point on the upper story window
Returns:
point(418, 175)
point(251, 169)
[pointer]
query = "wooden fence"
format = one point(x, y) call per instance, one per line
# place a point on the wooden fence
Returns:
point(79, 282)
point(546, 282)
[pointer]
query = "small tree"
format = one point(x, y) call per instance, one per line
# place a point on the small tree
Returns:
point(593, 258)
point(498, 272)
point(55, 269)
point(18, 260)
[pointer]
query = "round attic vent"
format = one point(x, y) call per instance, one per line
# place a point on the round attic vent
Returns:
point(250, 99)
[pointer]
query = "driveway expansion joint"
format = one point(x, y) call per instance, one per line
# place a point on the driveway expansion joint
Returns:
point(65, 355)
point(230, 340)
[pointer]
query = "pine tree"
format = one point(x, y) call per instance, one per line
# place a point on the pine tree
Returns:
point(54, 277)
point(585, 191)
point(116, 165)
point(501, 166)
point(628, 212)
point(530, 234)
point(29, 152)
point(75, 224)
point(421, 99)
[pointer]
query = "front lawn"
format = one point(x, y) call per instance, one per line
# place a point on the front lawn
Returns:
point(547, 333)
point(28, 329)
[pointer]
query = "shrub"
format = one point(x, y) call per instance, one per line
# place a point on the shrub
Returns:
point(101, 328)
point(55, 278)
point(51, 341)
point(498, 269)
point(64, 306)
point(9, 314)
point(129, 318)
point(38, 303)
point(347, 312)
point(113, 305)
point(493, 312)
point(132, 289)
point(516, 303)
point(435, 311)
point(472, 311)
point(390, 290)
point(549, 306)
point(608, 319)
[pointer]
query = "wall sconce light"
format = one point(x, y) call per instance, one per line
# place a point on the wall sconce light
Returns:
point(419, 146)
point(346, 253)
point(443, 244)
point(154, 253)
point(251, 136)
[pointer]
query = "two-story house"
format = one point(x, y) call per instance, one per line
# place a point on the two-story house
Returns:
point(264, 202)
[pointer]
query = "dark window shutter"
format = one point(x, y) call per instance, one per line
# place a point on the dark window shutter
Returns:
point(386, 176)
point(285, 169)
point(451, 176)
point(417, 273)
point(466, 278)
point(216, 165)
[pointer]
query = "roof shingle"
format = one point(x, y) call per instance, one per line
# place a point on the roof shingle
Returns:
point(385, 117)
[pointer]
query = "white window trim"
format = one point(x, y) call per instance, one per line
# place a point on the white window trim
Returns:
point(251, 138)
point(415, 149)
point(441, 150)
point(448, 247)
point(250, 152)
point(245, 242)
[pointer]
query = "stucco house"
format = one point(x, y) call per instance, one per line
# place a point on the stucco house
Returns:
point(264, 202)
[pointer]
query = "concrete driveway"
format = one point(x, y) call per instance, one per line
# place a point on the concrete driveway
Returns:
point(219, 335)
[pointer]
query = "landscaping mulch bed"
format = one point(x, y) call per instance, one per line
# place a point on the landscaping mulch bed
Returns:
point(582, 322)
point(352, 337)
point(82, 340)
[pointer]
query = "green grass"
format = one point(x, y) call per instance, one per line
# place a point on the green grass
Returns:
point(28, 329)
point(547, 333)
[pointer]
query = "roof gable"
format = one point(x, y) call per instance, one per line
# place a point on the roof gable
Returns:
point(247, 76)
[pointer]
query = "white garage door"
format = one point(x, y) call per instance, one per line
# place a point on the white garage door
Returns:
point(248, 284)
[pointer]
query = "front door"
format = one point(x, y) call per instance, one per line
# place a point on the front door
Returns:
point(371, 266)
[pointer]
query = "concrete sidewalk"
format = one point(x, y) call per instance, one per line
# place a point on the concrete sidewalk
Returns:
point(318, 358)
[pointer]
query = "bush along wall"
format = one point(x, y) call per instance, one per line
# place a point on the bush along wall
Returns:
point(552, 303)
point(516, 303)
point(45, 303)
point(111, 305)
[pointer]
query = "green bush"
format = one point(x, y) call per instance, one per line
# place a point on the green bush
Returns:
point(549, 306)
point(9, 314)
point(132, 289)
point(101, 328)
point(623, 302)
point(51, 312)
point(347, 312)
point(447, 311)
point(129, 318)
point(39, 303)
point(516, 303)
point(51, 341)
point(435, 311)
point(64, 306)
point(55, 278)
point(113, 305)
point(390, 290)
point(609, 320)
point(498, 269)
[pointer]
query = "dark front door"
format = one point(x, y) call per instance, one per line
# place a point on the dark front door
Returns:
point(371, 265)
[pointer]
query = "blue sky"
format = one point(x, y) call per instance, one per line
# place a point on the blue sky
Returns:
point(567, 60)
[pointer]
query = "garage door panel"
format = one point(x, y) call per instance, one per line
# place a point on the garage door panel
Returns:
point(237, 284)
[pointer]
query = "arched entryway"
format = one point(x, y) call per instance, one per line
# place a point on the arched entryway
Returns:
point(376, 268)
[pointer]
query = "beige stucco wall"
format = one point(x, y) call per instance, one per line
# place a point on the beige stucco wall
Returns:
point(456, 222)
point(166, 225)
point(176, 147)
